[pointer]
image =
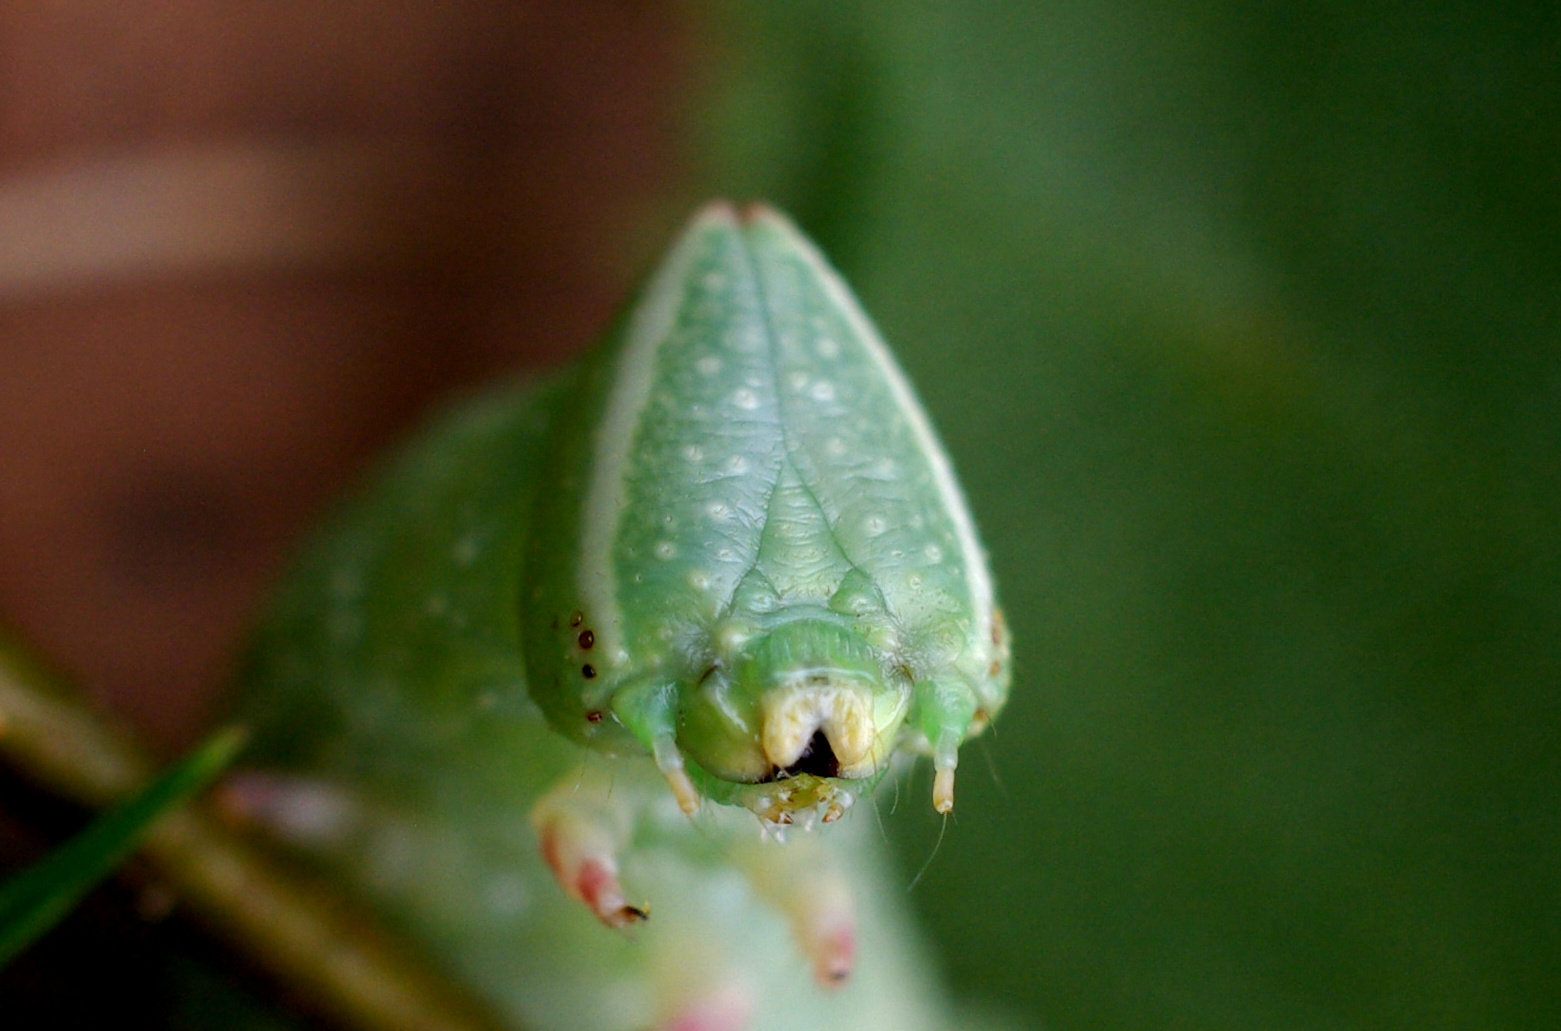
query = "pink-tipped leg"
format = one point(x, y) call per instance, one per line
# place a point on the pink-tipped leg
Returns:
point(803, 882)
point(581, 832)
point(728, 1010)
point(305, 812)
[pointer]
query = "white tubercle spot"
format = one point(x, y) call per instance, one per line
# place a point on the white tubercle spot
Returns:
point(874, 525)
point(827, 347)
point(797, 380)
point(709, 365)
point(737, 464)
point(698, 579)
point(724, 554)
point(835, 446)
point(823, 390)
point(665, 550)
point(745, 399)
point(693, 452)
point(730, 638)
point(717, 510)
point(933, 553)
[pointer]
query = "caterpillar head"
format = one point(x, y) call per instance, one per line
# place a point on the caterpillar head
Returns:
point(752, 558)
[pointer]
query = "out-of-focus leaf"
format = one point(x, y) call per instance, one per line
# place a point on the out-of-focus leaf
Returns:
point(34, 900)
point(1241, 323)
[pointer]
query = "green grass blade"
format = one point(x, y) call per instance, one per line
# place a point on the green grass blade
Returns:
point(37, 898)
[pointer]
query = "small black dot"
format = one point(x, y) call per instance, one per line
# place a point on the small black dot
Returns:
point(588, 671)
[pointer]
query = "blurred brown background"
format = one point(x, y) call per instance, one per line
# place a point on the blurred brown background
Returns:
point(243, 245)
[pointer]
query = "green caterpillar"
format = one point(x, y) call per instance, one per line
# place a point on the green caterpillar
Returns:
point(728, 557)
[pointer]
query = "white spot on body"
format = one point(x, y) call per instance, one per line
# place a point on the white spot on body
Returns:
point(823, 391)
point(693, 453)
point(874, 525)
point(665, 550)
point(827, 347)
point(730, 638)
point(934, 553)
point(709, 365)
point(745, 399)
point(737, 465)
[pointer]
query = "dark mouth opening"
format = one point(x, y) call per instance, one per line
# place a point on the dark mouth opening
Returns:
point(818, 759)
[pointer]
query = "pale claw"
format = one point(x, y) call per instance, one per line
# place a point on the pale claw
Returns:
point(944, 759)
point(682, 787)
point(943, 790)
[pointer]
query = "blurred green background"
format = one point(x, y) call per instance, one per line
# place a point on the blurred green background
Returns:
point(1241, 321)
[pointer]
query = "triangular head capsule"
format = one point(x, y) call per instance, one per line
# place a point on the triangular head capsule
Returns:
point(751, 548)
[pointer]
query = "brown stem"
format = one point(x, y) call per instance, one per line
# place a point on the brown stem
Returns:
point(311, 939)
